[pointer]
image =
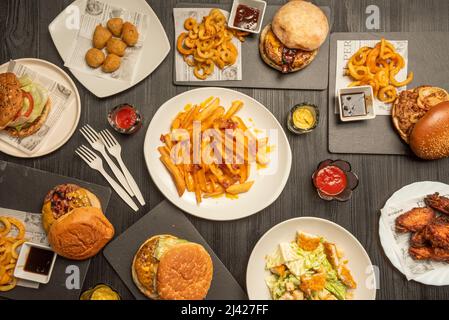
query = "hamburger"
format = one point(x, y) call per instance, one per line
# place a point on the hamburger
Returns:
point(62, 199)
point(24, 105)
point(429, 139)
point(168, 268)
point(291, 42)
point(419, 116)
point(76, 227)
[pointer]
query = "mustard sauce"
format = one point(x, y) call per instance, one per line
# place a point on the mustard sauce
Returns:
point(303, 118)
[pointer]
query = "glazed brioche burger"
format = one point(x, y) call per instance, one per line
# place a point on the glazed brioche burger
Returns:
point(76, 227)
point(291, 42)
point(168, 268)
point(421, 118)
point(430, 136)
point(24, 105)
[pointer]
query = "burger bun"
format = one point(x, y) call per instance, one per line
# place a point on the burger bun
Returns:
point(429, 139)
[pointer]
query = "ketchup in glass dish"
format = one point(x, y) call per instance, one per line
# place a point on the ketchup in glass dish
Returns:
point(125, 119)
point(334, 180)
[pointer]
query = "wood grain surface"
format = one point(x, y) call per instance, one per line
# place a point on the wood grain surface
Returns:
point(24, 33)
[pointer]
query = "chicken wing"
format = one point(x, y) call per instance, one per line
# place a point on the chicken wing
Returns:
point(437, 232)
point(414, 220)
point(429, 253)
point(438, 202)
point(418, 239)
point(423, 253)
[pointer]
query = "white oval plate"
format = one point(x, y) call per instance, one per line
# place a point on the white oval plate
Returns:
point(359, 261)
point(155, 48)
point(267, 187)
point(69, 120)
point(439, 277)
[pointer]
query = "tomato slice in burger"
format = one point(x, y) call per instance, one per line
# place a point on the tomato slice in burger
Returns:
point(28, 96)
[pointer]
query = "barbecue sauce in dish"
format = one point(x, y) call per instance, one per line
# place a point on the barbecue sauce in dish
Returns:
point(39, 261)
point(246, 17)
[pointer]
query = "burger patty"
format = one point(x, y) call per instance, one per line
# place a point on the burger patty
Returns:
point(145, 265)
point(287, 58)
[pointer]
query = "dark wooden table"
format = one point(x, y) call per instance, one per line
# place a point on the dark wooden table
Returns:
point(24, 33)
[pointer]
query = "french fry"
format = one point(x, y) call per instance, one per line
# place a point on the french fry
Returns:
point(210, 178)
point(240, 188)
point(164, 151)
point(175, 173)
point(236, 106)
point(197, 187)
point(207, 111)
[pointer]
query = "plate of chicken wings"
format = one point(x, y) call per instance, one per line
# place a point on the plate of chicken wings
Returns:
point(414, 232)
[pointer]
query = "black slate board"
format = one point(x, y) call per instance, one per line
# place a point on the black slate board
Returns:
point(314, 77)
point(427, 58)
point(23, 189)
point(165, 218)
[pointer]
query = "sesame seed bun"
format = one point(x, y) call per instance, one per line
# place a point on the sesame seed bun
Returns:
point(11, 98)
point(301, 25)
point(429, 139)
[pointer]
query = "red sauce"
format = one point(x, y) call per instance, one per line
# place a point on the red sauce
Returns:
point(125, 117)
point(246, 17)
point(331, 180)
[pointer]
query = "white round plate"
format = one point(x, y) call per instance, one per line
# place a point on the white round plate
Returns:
point(155, 48)
point(359, 261)
point(439, 277)
point(267, 187)
point(69, 120)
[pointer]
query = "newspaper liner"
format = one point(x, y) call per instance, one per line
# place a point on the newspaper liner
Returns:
point(184, 73)
point(94, 13)
point(400, 242)
point(61, 98)
point(347, 48)
point(34, 232)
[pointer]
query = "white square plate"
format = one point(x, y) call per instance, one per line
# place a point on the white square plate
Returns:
point(20, 272)
point(156, 46)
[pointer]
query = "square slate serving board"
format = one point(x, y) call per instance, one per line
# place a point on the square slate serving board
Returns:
point(23, 189)
point(167, 219)
point(427, 58)
point(257, 74)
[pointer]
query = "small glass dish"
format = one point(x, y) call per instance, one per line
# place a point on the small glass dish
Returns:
point(125, 119)
point(303, 118)
point(349, 181)
point(100, 292)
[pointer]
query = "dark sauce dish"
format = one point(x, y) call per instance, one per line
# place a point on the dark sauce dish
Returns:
point(334, 180)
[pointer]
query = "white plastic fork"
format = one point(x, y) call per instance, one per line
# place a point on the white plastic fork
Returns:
point(115, 150)
point(95, 142)
point(96, 163)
